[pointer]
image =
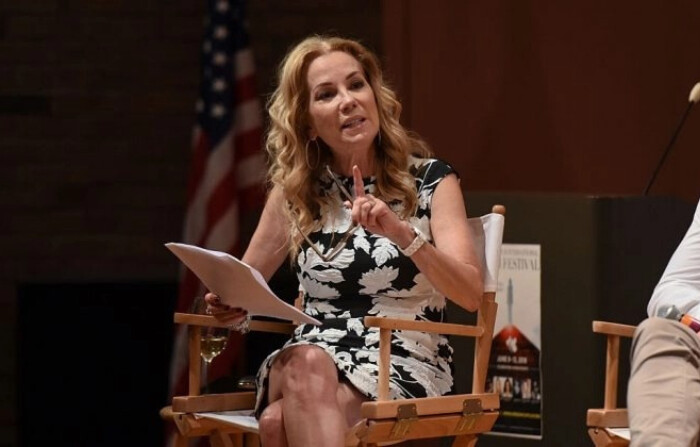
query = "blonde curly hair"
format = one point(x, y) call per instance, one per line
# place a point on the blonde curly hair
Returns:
point(288, 143)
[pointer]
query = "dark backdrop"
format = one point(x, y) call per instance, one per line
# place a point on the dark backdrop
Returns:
point(92, 363)
point(97, 105)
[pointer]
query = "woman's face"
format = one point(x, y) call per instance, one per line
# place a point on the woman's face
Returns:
point(342, 107)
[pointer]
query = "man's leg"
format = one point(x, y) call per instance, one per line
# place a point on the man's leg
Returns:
point(663, 395)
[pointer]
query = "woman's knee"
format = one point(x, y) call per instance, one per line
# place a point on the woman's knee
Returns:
point(309, 360)
point(308, 370)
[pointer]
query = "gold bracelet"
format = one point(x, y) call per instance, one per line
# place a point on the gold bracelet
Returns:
point(413, 247)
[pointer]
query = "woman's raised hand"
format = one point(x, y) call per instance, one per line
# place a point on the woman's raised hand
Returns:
point(372, 213)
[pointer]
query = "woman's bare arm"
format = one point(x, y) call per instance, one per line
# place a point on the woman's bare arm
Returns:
point(269, 245)
point(451, 265)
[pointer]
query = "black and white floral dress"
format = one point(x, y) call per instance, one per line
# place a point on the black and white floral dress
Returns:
point(370, 276)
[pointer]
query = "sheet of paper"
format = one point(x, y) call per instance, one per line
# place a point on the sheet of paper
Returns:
point(236, 283)
point(239, 418)
point(624, 433)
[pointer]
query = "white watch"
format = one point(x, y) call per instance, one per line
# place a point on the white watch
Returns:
point(413, 247)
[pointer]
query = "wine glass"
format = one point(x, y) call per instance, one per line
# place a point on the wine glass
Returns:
point(213, 339)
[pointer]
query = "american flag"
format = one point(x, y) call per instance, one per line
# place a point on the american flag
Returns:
point(228, 167)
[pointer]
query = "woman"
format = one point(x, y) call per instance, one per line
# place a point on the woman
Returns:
point(335, 129)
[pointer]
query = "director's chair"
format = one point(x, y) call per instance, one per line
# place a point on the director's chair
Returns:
point(384, 421)
point(603, 422)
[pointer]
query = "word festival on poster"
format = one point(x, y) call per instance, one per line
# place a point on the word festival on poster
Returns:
point(514, 366)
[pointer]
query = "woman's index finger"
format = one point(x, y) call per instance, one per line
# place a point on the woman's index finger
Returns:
point(358, 184)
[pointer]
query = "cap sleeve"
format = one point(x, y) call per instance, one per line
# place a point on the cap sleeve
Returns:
point(429, 172)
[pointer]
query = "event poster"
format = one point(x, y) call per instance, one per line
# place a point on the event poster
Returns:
point(514, 366)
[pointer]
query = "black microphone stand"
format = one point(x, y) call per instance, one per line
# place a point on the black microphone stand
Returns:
point(668, 148)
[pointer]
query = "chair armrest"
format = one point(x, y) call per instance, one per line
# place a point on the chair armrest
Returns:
point(608, 328)
point(424, 326)
point(194, 339)
point(279, 327)
point(608, 418)
point(214, 402)
point(613, 332)
point(386, 325)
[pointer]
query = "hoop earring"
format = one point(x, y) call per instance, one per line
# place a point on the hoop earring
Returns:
point(318, 155)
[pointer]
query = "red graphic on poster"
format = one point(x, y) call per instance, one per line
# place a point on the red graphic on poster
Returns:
point(514, 373)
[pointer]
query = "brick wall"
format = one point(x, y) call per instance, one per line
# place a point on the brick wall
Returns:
point(96, 109)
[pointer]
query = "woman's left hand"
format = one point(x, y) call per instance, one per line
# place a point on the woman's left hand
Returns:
point(224, 312)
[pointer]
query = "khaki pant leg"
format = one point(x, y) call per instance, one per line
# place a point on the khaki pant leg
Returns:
point(664, 388)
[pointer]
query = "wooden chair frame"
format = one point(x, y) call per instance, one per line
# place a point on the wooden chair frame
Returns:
point(599, 420)
point(184, 409)
point(384, 421)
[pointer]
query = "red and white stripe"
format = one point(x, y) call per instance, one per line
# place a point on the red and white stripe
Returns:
point(225, 183)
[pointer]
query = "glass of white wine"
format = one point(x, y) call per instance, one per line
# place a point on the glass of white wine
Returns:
point(213, 340)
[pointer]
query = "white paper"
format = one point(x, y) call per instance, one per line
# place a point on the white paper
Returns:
point(623, 433)
point(239, 418)
point(236, 283)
